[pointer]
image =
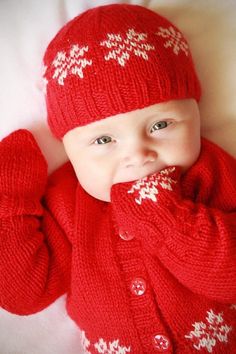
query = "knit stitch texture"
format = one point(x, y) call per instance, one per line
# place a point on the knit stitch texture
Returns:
point(115, 59)
point(152, 271)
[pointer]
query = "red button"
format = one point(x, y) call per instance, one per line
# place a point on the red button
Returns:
point(126, 236)
point(138, 286)
point(161, 343)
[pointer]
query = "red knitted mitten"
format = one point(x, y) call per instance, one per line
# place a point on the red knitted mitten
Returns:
point(23, 175)
point(149, 204)
point(23, 168)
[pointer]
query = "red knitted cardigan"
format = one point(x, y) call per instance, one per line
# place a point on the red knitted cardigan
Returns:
point(152, 271)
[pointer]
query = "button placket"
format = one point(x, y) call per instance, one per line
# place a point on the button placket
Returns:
point(145, 317)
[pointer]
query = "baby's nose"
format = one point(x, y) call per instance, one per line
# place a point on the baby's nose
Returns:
point(139, 157)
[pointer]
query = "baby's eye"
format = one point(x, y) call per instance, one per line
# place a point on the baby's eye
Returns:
point(159, 125)
point(103, 140)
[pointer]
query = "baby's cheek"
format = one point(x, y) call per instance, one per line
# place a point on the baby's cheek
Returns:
point(189, 156)
point(179, 156)
point(100, 189)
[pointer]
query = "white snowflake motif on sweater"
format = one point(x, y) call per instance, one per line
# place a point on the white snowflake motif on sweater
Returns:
point(102, 347)
point(174, 39)
point(120, 48)
point(112, 348)
point(206, 335)
point(44, 82)
point(71, 62)
point(85, 343)
point(146, 188)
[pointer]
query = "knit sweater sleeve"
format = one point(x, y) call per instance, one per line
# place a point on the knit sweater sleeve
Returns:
point(195, 241)
point(34, 250)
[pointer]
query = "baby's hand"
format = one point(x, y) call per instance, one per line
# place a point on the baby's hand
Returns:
point(146, 197)
point(23, 169)
point(148, 189)
point(145, 206)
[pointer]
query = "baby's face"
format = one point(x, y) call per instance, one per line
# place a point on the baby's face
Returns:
point(132, 145)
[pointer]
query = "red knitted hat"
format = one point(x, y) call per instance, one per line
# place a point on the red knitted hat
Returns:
point(115, 59)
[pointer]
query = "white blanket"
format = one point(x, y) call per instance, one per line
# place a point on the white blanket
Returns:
point(26, 27)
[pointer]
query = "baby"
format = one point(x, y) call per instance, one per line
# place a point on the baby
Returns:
point(138, 228)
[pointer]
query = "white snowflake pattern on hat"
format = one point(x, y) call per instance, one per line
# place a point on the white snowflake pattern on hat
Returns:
point(175, 39)
point(120, 48)
point(146, 188)
point(72, 62)
point(208, 334)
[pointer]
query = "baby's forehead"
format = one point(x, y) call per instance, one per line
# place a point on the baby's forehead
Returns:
point(153, 111)
point(119, 121)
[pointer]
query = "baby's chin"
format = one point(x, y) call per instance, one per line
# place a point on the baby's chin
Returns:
point(103, 196)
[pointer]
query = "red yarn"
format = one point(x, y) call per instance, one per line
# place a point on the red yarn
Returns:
point(169, 288)
point(115, 59)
